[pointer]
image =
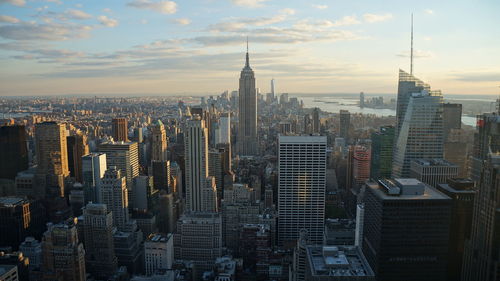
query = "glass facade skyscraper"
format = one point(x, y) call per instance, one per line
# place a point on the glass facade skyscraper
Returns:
point(382, 146)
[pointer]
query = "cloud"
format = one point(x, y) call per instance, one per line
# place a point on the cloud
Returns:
point(182, 21)
point(48, 32)
point(371, 18)
point(287, 11)
point(479, 76)
point(164, 7)
point(109, 22)
point(14, 2)
point(320, 7)
point(320, 25)
point(77, 14)
point(9, 19)
point(429, 11)
point(249, 3)
point(106, 10)
point(240, 24)
point(59, 2)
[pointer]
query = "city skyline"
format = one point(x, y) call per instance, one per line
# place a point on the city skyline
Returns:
point(165, 47)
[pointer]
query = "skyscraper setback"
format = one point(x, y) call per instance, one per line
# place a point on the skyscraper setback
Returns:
point(247, 140)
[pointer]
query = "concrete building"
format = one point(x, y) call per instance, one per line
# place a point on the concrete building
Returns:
point(119, 129)
point(361, 159)
point(397, 222)
point(337, 263)
point(32, 249)
point(224, 135)
point(161, 174)
point(93, 167)
point(301, 187)
point(199, 239)
point(14, 151)
point(158, 142)
point(433, 171)
point(52, 157)
point(201, 193)
point(77, 147)
point(63, 253)
point(345, 124)
point(114, 195)
point(158, 253)
point(339, 232)
point(125, 157)
point(452, 117)
point(9, 273)
point(247, 138)
point(462, 192)
point(96, 224)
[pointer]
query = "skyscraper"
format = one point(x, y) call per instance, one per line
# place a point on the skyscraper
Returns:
point(247, 140)
point(97, 229)
point(159, 142)
point(486, 139)
point(200, 188)
point(345, 123)
point(114, 194)
point(63, 253)
point(158, 253)
point(360, 165)
point(406, 230)
point(77, 147)
point(433, 171)
point(125, 156)
point(301, 187)
point(382, 147)
point(452, 117)
point(224, 128)
point(52, 154)
point(120, 129)
point(315, 121)
point(93, 168)
point(14, 151)
point(420, 132)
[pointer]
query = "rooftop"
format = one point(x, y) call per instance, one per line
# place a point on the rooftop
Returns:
point(11, 201)
point(404, 189)
point(434, 162)
point(337, 261)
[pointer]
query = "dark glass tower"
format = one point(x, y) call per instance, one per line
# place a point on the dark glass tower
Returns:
point(382, 147)
point(13, 151)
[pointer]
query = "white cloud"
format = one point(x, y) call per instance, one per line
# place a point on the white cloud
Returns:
point(79, 5)
point(8, 19)
point(320, 25)
point(320, 7)
point(77, 14)
point(59, 2)
point(429, 11)
point(164, 7)
point(241, 23)
point(14, 2)
point(182, 21)
point(47, 32)
point(106, 10)
point(109, 22)
point(249, 3)
point(371, 18)
point(287, 11)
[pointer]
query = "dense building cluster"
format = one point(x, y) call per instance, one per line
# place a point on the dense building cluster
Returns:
point(247, 186)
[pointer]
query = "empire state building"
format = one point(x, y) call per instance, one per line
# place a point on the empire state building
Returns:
point(247, 140)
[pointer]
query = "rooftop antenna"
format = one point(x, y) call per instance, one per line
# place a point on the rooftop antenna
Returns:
point(247, 63)
point(411, 51)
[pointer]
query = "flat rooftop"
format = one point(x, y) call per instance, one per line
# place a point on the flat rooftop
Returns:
point(434, 162)
point(337, 261)
point(11, 201)
point(429, 193)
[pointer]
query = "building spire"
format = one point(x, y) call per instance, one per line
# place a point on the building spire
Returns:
point(411, 50)
point(247, 64)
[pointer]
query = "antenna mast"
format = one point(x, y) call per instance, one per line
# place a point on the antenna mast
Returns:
point(411, 50)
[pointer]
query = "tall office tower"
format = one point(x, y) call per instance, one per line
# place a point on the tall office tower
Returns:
point(361, 99)
point(308, 127)
point(284, 98)
point(345, 124)
point(14, 151)
point(360, 221)
point(119, 127)
point(216, 169)
point(301, 187)
point(77, 147)
point(52, 155)
point(159, 142)
point(457, 150)
point(381, 158)
point(255, 248)
point(138, 137)
point(63, 253)
point(114, 194)
point(161, 175)
point(397, 221)
point(247, 139)
point(225, 149)
point(200, 194)
point(125, 156)
point(486, 140)
point(273, 88)
point(93, 168)
point(421, 132)
point(481, 260)
point(32, 249)
point(360, 165)
point(97, 229)
point(462, 192)
point(452, 117)
point(315, 121)
point(19, 219)
point(433, 171)
point(158, 253)
point(199, 239)
point(224, 128)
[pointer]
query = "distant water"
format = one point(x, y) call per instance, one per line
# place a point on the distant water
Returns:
point(334, 103)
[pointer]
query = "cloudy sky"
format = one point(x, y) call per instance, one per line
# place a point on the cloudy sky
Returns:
point(197, 47)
